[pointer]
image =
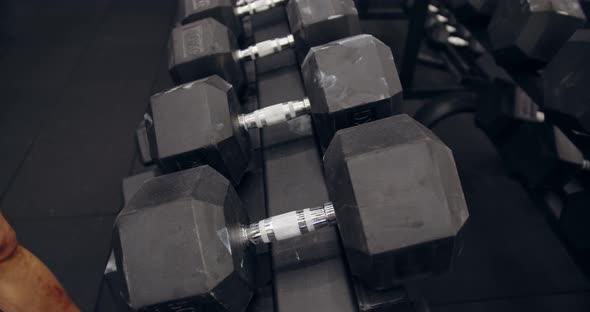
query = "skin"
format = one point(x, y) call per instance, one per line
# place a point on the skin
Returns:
point(26, 284)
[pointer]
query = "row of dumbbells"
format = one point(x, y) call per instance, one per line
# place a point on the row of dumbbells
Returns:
point(544, 142)
point(541, 139)
point(184, 241)
point(545, 150)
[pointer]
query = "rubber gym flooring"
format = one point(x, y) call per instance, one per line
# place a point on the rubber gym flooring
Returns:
point(75, 78)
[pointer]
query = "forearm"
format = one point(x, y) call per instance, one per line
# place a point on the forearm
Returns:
point(26, 284)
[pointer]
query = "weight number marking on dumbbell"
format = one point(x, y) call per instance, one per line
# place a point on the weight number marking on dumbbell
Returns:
point(193, 41)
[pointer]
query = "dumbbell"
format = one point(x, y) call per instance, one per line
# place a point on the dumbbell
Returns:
point(540, 154)
point(569, 205)
point(527, 34)
point(310, 20)
point(348, 82)
point(439, 14)
point(442, 30)
point(184, 240)
point(533, 149)
point(503, 109)
point(566, 80)
point(206, 47)
point(225, 11)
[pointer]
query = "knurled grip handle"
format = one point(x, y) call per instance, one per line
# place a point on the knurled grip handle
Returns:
point(275, 114)
point(266, 48)
point(290, 224)
point(256, 6)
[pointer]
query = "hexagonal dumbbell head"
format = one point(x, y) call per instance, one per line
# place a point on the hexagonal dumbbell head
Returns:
point(204, 48)
point(566, 80)
point(503, 109)
point(174, 249)
point(315, 22)
point(221, 10)
point(398, 200)
point(529, 33)
point(349, 82)
point(195, 124)
point(541, 154)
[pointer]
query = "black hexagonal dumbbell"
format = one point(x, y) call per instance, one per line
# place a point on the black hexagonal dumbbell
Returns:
point(527, 34)
point(542, 155)
point(305, 17)
point(566, 80)
point(228, 12)
point(503, 109)
point(443, 29)
point(183, 240)
point(349, 82)
point(205, 47)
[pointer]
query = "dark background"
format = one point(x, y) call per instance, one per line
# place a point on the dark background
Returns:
point(75, 79)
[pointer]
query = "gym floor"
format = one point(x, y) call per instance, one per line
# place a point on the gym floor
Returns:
point(75, 79)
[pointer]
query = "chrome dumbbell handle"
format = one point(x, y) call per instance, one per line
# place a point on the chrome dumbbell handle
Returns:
point(265, 48)
point(256, 6)
point(275, 114)
point(290, 224)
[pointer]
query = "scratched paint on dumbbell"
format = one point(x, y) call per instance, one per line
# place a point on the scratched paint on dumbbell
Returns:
point(568, 7)
point(170, 55)
point(197, 4)
point(223, 235)
point(193, 41)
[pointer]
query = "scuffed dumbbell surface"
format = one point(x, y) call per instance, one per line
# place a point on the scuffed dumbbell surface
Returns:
point(316, 22)
point(566, 79)
point(196, 123)
point(527, 34)
point(350, 81)
point(173, 245)
point(398, 200)
point(204, 48)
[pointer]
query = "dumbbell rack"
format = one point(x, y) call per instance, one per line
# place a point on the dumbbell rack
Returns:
point(285, 174)
point(531, 82)
point(288, 168)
